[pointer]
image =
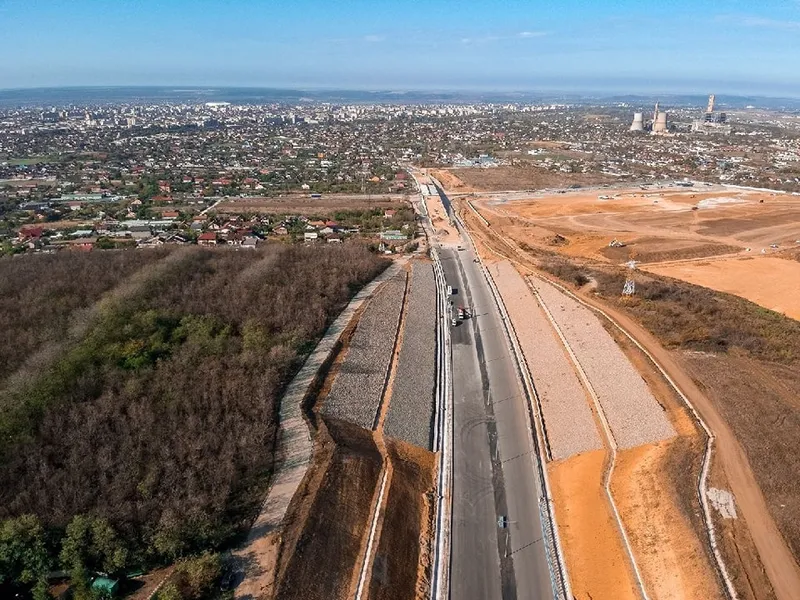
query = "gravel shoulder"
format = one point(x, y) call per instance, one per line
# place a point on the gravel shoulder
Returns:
point(410, 412)
point(569, 424)
point(633, 413)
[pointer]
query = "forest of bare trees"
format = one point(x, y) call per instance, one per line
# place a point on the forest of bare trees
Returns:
point(146, 431)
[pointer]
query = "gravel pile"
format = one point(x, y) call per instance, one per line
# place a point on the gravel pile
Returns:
point(568, 419)
point(634, 415)
point(410, 413)
point(356, 392)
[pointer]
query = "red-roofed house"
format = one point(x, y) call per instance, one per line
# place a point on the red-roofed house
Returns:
point(207, 239)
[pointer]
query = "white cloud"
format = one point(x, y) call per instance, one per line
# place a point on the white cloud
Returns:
point(374, 38)
point(760, 22)
point(486, 39)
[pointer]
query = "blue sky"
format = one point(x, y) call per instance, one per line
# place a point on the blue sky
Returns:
point(623, 45)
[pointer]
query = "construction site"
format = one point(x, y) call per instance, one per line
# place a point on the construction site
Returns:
point(629, 354)
point(356, 476)
point(667, 394)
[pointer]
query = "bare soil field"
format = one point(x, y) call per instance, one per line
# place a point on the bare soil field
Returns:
point(513, 178)
point(401, 570)
point(770, 281)
point(660, 226)
point(305, 205)
point(596, 560)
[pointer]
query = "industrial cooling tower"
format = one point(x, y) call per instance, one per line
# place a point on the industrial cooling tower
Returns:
point(660, 124)
point(638, 122)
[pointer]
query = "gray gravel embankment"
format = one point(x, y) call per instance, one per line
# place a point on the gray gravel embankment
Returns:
point(633, 413)
point(356, 392)
point(410, 413)
point(570, 426)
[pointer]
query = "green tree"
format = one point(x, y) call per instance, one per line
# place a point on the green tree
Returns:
point(169, 591)
point(91, 543)
point(196, 577)
point(23, 552)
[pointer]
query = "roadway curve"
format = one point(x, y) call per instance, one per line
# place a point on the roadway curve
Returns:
point(494, 473)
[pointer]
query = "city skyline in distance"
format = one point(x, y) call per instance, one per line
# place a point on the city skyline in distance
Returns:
point(637, 47)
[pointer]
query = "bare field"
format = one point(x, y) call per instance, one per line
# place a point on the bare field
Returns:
point(660, 230)
point(770, 281)
point(305, 205)
point(513, 178)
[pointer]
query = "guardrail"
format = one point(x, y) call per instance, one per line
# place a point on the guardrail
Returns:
point(443, 441)
point(442, 427)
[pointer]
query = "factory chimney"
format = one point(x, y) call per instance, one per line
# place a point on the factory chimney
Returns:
point(659, 121)
point(638, 122)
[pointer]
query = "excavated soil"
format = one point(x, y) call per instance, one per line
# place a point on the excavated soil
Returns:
point(596, 560)
point(401, 570)
point(337, 519)
point(672, 559)
point(770, 281)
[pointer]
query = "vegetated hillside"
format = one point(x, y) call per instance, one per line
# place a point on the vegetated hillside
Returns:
point(40, 293)
point(158, 422)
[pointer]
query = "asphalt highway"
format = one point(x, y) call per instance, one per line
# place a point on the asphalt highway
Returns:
point(493, 458)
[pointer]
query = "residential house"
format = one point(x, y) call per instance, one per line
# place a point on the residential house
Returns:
point(207, 239)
